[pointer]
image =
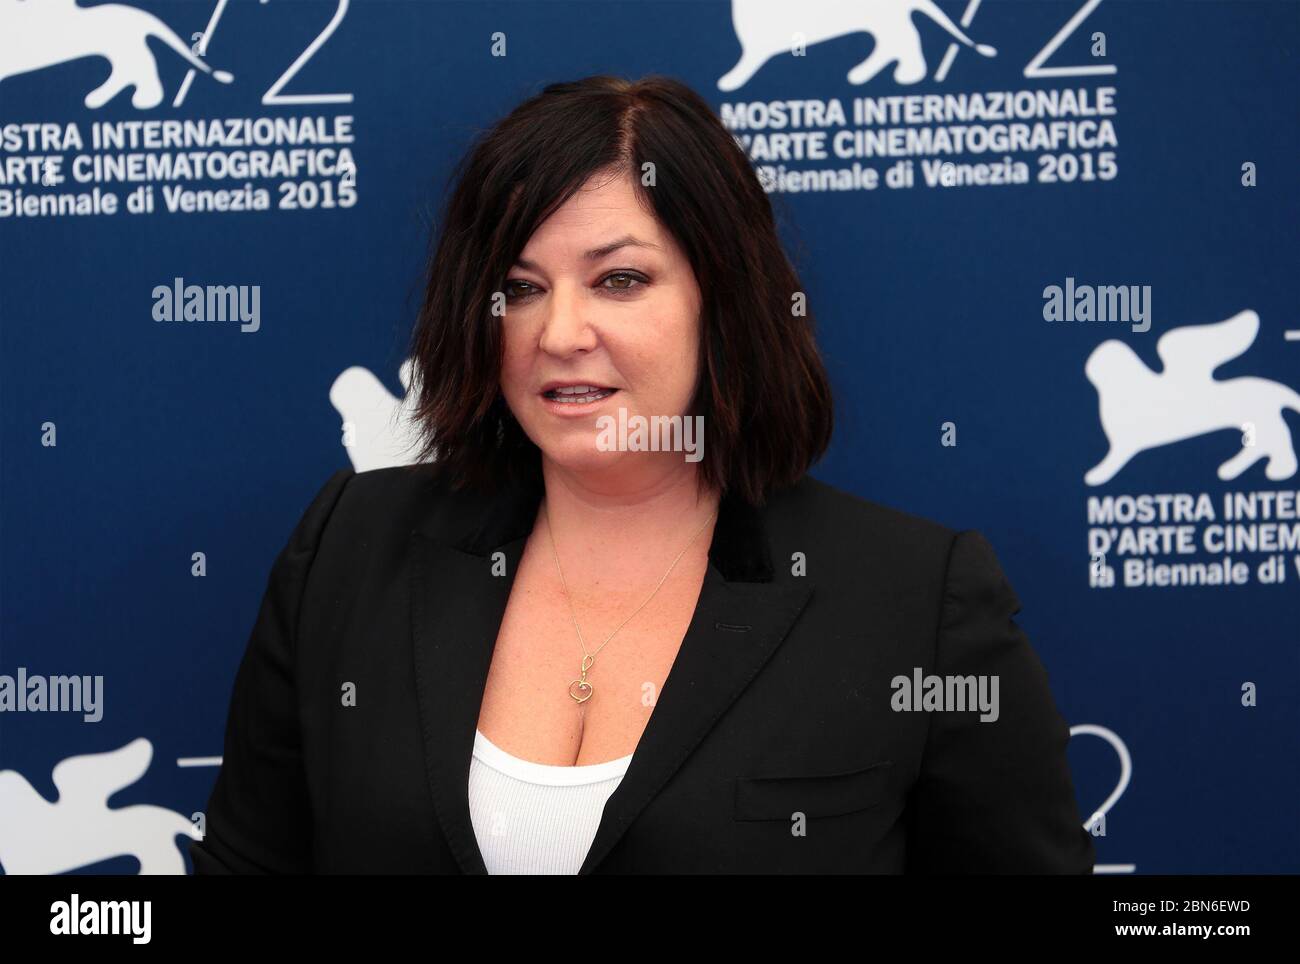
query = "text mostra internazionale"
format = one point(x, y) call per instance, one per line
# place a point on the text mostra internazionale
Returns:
point(132, 151)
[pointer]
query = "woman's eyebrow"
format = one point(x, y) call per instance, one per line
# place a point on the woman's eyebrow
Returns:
point(595, 254)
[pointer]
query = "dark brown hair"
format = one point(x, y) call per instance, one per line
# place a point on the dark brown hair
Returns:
point(763, 390)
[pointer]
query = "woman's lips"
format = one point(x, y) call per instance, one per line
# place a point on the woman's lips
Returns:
point(575, 401)
point(578, 394)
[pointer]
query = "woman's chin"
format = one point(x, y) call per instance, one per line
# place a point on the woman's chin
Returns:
point(582, 455)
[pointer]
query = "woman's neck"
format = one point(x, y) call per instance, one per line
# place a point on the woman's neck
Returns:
point(645, 511)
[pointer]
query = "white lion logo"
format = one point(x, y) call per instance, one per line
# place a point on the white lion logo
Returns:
point(380, 430)
point(78, 829)
point(1141, 410)
point(766, 28)
point(35, 34)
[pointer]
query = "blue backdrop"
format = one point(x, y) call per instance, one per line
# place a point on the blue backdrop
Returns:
point(151, 469)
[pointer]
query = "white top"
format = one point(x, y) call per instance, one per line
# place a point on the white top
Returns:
point(533, 818)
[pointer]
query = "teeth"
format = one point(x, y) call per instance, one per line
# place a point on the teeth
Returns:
point(579, 394)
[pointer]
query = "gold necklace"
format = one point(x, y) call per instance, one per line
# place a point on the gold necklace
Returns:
point(580, 690)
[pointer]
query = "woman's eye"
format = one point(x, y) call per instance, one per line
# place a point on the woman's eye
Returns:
point(623, 281)
point(617, 281)
point(516, 289)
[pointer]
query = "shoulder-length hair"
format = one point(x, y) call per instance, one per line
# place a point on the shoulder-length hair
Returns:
point(763, 391)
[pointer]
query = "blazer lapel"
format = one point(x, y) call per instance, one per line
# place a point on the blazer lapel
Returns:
point(457, 605)
point(456, 611)
point(736, 629)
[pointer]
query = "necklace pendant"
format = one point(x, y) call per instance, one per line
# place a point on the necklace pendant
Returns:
point(580, 690)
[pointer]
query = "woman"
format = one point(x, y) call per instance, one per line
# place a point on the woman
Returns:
point(563, 645)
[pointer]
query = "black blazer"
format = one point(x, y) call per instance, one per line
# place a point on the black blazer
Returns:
point(779, 701)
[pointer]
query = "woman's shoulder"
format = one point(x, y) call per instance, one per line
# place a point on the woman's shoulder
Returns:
point(377, 489)
point(401, 492)
point(390, 504)
point(843, 516)
point(864, 538)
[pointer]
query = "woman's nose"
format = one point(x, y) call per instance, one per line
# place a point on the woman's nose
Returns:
point(565, 325)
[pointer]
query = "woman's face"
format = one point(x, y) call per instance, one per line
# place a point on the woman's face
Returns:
point(601, 296)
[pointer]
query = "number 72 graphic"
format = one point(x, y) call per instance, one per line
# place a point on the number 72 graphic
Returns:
point(1035, 66)
point(273, 95)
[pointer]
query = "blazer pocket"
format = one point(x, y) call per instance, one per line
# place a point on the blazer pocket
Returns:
point(777, 798)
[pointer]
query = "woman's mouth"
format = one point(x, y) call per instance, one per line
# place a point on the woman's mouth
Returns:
point(578, 394)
